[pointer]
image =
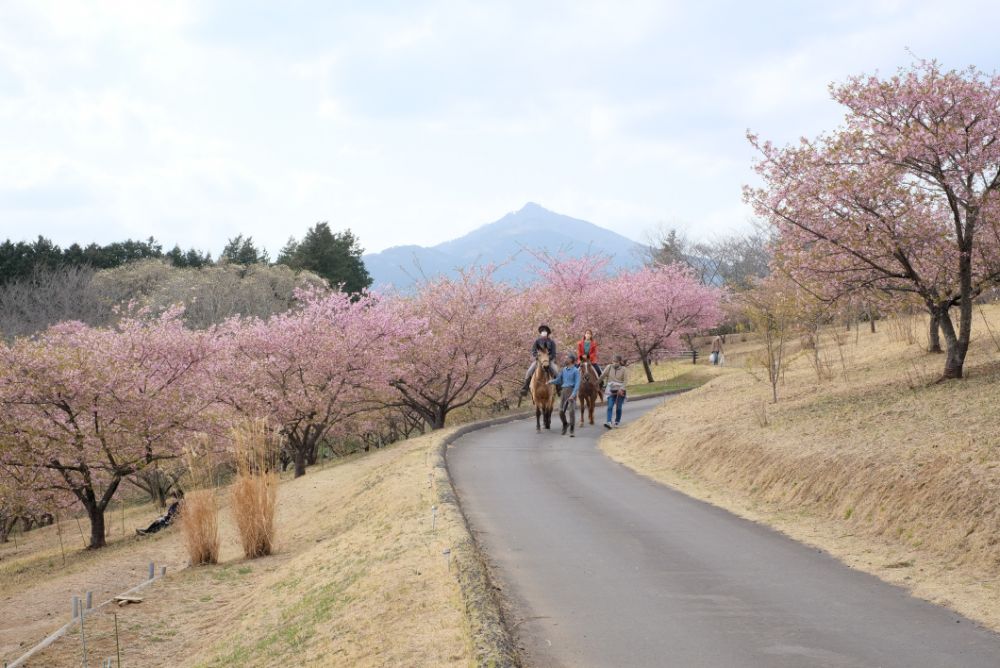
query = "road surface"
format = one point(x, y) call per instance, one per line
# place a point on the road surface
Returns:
point(603, 567)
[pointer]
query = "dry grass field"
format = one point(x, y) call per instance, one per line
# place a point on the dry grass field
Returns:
point(875, 462)
point(358, 579)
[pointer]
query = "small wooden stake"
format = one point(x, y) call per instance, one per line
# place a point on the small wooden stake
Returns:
point(80, 527)
point(118, 647)
point(59, 531)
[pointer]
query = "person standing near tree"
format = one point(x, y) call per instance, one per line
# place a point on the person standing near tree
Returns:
point(616, 376)
point(568, 381)
point(716, 356)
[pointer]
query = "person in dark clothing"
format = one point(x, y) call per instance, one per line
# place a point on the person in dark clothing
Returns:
point(545, 343)
point(568, 382)
point(164, 520)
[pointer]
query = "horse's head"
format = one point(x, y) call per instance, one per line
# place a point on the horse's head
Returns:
point(543, 358)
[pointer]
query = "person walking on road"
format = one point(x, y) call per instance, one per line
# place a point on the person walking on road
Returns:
point(716, 356)
point(616, 376)
point(569, 382)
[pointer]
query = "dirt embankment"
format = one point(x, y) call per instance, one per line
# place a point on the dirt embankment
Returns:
point(361, 578)
point(894, 474)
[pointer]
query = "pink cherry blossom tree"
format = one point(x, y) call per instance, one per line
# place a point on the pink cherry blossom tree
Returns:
point(646, 312)
point(904, 198)
point(82, 408)
point(475, 338)
point(573, 284)
point(310, 370)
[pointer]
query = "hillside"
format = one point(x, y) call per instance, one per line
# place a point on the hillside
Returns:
point(358, 580)
point(531, 227)
point(876, 463)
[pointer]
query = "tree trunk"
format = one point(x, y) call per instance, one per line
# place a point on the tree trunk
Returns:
point(646, 367)
point(934, 334)
point(958, 344)
point(300, 462)
point(97, 538)
point(6, 528)
point(438, 419)
point(955, 355)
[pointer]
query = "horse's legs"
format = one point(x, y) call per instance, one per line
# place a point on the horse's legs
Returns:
point(538, 415)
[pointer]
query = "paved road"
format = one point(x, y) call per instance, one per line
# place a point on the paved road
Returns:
point(606, 568)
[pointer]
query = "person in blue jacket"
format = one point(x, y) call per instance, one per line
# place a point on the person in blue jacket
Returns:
point(568, 381)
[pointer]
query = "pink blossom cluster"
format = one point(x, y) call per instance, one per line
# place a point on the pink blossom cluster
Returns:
point(900, 203)
point(84, 408)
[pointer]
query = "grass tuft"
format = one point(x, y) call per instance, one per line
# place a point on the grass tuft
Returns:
point(255, 491)
point(200, 525)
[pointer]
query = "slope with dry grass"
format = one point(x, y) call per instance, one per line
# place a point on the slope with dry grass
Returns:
point(358, 578)
point(892, 472)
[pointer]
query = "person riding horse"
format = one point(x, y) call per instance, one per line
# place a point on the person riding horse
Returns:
point(546, 343)
point(586, 349)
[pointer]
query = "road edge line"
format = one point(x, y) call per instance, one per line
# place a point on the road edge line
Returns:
point(494, 643)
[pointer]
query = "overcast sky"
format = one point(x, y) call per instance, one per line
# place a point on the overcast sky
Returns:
point(415, 122)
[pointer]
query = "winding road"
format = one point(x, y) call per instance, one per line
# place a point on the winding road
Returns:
point(603, 567)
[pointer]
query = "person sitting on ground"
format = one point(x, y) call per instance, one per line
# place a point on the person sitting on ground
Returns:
point(164, 520)
point(544, 343)
point(616, 376)
point(586, 349)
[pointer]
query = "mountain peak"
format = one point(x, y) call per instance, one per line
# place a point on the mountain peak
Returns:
point(502, 242)
point(532, 207)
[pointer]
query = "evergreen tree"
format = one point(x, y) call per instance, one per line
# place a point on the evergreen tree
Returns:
point(242, 250)
point(336, 256)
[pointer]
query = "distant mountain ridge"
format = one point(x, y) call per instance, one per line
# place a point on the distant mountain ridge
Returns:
point(503, 241)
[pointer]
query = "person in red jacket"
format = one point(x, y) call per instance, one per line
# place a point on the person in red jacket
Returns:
point(586, 348)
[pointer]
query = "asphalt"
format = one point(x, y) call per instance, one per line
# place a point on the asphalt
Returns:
point(603, 567)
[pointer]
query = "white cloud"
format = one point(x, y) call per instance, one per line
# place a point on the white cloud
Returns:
point(196, 121)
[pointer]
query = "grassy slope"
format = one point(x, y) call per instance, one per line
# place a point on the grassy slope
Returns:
point(893, 473)
point(359, 580)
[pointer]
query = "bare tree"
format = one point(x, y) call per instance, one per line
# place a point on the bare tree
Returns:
point(48, 296)
point(210, 294)
point(734, 261)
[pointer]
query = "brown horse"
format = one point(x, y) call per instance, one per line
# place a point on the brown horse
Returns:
point(590, 390)
point(543, 395)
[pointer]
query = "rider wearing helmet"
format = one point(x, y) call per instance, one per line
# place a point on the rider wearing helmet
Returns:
point(544, 343)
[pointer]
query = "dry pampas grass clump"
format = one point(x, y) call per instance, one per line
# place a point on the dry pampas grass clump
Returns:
point(199, 516)
point(255, 491)
point(200, 524)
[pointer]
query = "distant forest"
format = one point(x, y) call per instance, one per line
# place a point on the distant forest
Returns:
point(42, 284)
point(335, 256)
